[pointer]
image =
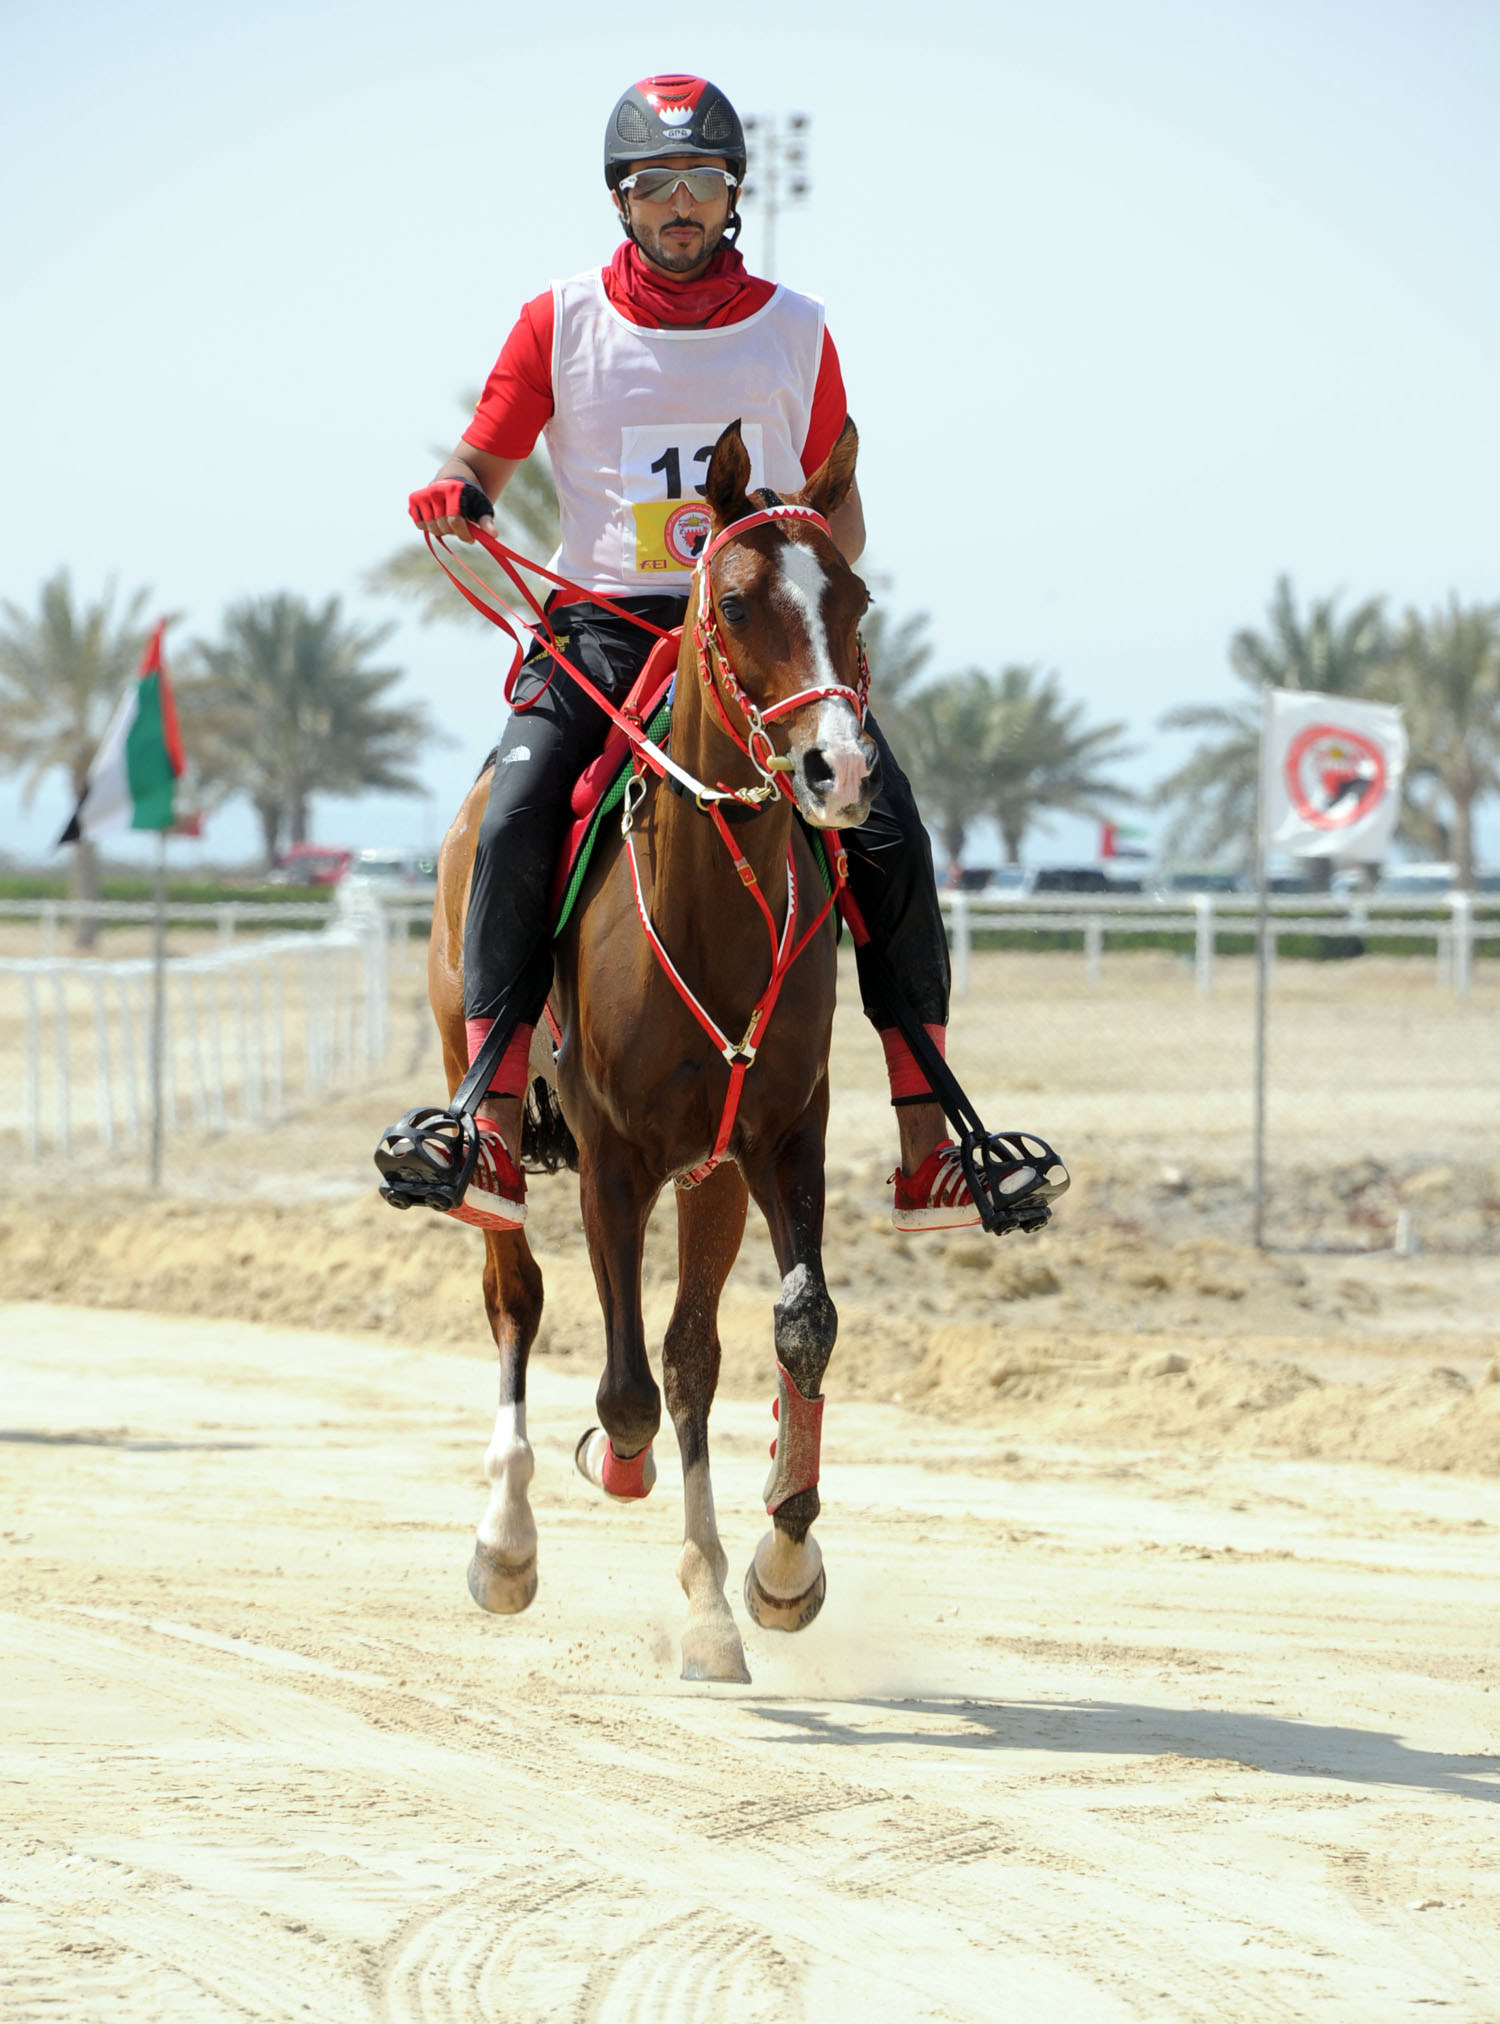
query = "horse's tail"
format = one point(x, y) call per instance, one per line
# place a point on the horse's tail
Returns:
point(547, 1145)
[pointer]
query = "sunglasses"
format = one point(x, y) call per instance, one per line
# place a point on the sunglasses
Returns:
point(657, 186)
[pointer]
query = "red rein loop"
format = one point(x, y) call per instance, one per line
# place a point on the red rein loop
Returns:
point(487, 600)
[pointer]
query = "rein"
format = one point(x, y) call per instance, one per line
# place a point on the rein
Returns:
point(756, 744)
point(718, 677)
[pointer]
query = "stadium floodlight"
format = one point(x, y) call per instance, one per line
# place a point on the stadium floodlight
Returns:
point(777, 177)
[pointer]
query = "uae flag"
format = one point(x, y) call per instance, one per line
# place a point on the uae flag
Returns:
point(136, 780)
point(1330, 775)
point(1115, 840)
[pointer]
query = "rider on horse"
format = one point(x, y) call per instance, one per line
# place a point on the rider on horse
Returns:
point(632, 371)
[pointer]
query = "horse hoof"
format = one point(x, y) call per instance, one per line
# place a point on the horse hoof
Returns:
point(712, 1651)
point(776, 1612)
point(501, 1587)
point(621, 1482)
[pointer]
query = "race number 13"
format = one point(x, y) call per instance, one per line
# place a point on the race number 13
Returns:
point(663, 470)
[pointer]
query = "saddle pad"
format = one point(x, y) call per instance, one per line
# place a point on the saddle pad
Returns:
point(606, 790)
point(602, 775)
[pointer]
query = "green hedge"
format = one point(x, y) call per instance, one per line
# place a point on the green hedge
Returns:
point(180, 891)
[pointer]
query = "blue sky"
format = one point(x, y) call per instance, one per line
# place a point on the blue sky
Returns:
point(1137, 308)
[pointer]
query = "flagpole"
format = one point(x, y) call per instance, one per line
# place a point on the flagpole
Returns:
point(1262, 979)
point(158, 1003)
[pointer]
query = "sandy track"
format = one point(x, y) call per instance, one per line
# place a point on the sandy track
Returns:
point(1082, 1734)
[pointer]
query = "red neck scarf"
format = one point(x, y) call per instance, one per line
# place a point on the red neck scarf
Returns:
point(723, 293)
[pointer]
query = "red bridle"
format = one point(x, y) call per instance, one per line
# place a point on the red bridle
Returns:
point(714, 669)
point(714, 665)
point(712, 654)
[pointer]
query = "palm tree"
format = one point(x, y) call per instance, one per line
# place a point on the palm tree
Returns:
point(285, 706)
point(898, 651)
point(946, 748)
point(1044, 758)
point(1008, 746)
point(1215, 787)
point(62, 672)
point(1214, 790)
point(526, 518)
point(1446, 677)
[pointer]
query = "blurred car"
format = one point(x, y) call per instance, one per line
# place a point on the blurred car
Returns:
point(1172, 884)
point(312, 864)
point(1024, 882)
point(1416, 881)
point(395, 871)
point(1431, 881)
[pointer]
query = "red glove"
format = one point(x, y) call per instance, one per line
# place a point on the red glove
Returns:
point(448, 499)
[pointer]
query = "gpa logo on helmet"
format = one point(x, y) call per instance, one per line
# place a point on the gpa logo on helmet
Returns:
point(1334, 777)
point(685, 534)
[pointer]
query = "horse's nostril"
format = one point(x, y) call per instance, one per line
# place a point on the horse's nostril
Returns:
point(817, 771)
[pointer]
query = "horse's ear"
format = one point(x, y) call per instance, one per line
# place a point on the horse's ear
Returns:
point(727, 486)
point(828, 487)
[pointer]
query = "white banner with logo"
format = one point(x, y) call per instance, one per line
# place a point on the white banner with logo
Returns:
point(1331, 771)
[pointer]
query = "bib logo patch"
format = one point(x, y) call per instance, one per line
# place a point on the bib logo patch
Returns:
point(669, 536)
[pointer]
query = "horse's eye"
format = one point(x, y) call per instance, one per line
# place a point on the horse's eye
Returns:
point(734, 608)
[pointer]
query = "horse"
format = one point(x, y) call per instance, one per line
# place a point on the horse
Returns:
point(770, 638)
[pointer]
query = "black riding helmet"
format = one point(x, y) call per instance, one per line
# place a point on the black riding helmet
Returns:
point(672, 116)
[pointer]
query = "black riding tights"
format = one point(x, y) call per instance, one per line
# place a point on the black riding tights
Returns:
point(543, 749)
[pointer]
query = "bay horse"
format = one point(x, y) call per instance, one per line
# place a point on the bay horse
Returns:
point(771, 635)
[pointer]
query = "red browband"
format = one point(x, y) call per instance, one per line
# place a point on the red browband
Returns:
point(761, 518)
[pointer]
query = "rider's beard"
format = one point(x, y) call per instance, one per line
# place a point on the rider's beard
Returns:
point(682, 259)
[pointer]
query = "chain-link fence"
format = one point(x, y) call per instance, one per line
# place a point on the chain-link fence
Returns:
point(1381, 1067)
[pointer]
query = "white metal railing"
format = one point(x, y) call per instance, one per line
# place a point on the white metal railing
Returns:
point(228, 916)
point(251, 1030)
point(1207, 916)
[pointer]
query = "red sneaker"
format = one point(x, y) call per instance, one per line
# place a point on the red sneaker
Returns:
point(937, 1197)
point(495, 1198)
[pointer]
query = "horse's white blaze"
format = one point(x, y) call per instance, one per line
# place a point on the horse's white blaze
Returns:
point(800, 584)
point(507, 1527)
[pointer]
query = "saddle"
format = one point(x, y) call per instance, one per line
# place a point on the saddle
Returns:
point(600, 787)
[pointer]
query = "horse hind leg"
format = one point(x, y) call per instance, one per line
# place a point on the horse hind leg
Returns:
point(710, 1225)
point(502, 1572)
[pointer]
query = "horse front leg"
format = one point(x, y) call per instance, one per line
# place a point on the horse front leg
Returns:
point(502, 1572)
point(710, 1225)
point(615, 1195)
point(785, 1583)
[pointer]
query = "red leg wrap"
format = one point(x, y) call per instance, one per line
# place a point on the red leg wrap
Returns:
point(909, 1081)
point(626, 1479)
point(797, 1448)
point(509, 1078)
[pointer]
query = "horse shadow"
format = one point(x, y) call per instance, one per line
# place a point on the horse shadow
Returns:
point(1273, 1744)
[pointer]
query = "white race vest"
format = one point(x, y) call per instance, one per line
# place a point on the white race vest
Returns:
point(637, 413)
